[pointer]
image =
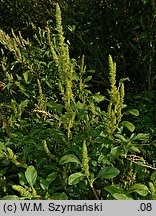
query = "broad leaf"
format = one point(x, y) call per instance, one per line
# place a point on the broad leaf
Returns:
point(134, 149)
point(22, 106)
point(121, 137)
point(112, 189)
point(2, 146)
point(22, 179)
point(60, 196)
point(98, 98)
point(24, 192)
point(75, 178)
point(10, 197)
point(119, 196)
point(25, 75)
point(141, 189)
point(91, 71)
point(58, 136)
point(87, 79)
point(115, 152)
point(128, 125)
point(152, 188)
point(52, 105)
point(51, 177)
point(31, 175)
point(117, 192)
point(134, 112)
point(141, 136)
point(108, 173)
point(70, 158)
point(153, 177)
point(44, 184)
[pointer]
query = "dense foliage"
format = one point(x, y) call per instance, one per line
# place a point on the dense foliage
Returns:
point(62, 136)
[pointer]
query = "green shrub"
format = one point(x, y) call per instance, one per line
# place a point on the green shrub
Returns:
point(56, 142)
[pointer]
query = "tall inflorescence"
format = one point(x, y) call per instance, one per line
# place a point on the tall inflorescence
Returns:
point(116, 104)
point(65, 67)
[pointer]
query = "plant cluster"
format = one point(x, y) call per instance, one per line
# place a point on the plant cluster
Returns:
point(56, 141)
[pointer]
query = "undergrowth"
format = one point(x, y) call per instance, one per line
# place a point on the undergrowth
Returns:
point(56, 141)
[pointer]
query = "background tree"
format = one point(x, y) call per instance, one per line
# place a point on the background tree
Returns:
point(97, 28)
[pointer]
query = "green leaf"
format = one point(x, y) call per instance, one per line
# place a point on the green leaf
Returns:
point(141, 136)
point(9, 85)
point(108, 173)
point(25, 75)
point(141, 189)
point(115, 152)
point(22, 179)
point(119, 196)
point(124, 79)
point(75, 178)
point(117, 192)
point(60, 196)
point(152, 188)
point(71, 28)
point(44, 184)
point(50, 84)
point(91, 71)
point(2, 146)
point(153, 177)
point(22, 106)
point(134, 112)
point(112, 189)
point(133, 149)
point(43, 63)
point(79, 106)
point(87, 79)
point(121, 137)
point(70, 158)
point(22, 88)
point(10, 197)
point(24, 192)
point(75, 77)
point(2, 154)
point(31, 175)
point(128, 125)
point(50, 64)
point(98, 98)
point(58, 136)
point(52, 105)
point(51, 177)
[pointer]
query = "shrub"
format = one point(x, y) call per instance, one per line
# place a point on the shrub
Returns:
point(56, 142)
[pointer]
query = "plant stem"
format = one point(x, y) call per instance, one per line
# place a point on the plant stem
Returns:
point(94, 191)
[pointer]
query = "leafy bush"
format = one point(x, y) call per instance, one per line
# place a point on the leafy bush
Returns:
point(56, 142)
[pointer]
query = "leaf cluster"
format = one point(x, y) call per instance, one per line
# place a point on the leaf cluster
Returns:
point(56, 140)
